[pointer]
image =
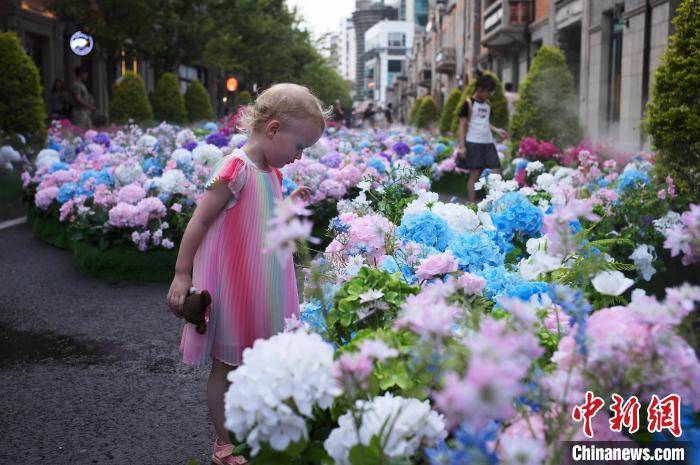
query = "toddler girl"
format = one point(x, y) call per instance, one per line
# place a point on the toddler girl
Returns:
point(221, 250)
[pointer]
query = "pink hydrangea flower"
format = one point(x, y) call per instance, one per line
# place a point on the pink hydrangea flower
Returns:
point(437, 265)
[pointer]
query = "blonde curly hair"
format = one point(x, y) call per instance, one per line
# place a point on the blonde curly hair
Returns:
point(285, 101)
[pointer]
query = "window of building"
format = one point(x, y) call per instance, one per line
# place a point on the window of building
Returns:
point(615, 75)
point(397, 39)
point(188, 74)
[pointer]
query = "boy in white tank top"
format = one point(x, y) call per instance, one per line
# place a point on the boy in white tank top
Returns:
point(477, 150)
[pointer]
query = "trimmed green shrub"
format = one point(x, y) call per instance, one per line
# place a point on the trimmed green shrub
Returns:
point(168, 104)
point(46, 227)
point(428, 113)
point(413, 113)
point(547, 107)
point(197, 103)
point(449, 110)
point(124, 263)
point(21, 101)
point(673, 113)
point(244, 98)
point(130, 101)
point(498, 102)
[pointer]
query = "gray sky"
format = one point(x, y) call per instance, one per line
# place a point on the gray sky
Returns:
point(321, 16)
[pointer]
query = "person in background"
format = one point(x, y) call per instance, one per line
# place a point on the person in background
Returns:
point(83, 103)
point(59, 105)
point(477, 150)
point(338, 113)
point(368, 115)
point(388, 115)
point(511, 96)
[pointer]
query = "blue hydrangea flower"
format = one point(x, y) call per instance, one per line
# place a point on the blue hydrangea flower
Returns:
point(377, 164)
point(211, 126)
point(470, 446)
point(525, 290)
point(513, 214)
point(364, 144)
point(313, 313)
point(499, 280)
point(54, 145)
point(575, 305)
point(151, 167)
point(418, 149)
point(426, 228)
point(58, 166)
point(101, 177)
point(631, 178)
point(439, 148)
point(475, 251)
point(288, 186)
point(67, 192)
point(393, 265)
point(416, 140)
point(336, 224)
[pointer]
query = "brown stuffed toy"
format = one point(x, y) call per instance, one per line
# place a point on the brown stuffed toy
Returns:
point(195, 307)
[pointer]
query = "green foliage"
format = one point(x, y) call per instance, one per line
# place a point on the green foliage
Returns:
point(498, 102)
point(21, 102)
point(326, 83)
point(428, 113)
point(124, 263)
point(349, 314)
point(547, 107)
point(168, 104)
point(244, 98)
point(673, 113)
point(130, 101)
point(448, 111)
point(197, 103)
point(413, 113)
point(46, 227)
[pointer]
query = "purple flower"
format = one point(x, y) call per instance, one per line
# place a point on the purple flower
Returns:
point(191, 145)
point(218, 139)
point(401, 149)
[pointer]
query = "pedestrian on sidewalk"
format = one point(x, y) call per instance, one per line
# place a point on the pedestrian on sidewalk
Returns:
point(252, 293)
point(83, 103)
point(477, 150)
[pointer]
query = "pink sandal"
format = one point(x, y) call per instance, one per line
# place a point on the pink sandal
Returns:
point(223, 455)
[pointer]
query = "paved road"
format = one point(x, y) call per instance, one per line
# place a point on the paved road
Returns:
point(90, 370)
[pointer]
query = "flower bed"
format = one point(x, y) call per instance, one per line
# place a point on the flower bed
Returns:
point(471, 334)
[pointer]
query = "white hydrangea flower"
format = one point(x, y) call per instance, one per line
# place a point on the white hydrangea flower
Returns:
point(46, 158)
point(611, 282)
point(172, 182)
point(534, 167)
point(8, 155)
point(238, 139)
point(318, 150)
point(667, 221)
point(459, 217)
point(275, 389)
point(127, 173)
point(145, 142)
point(425, 200)
point(181, 156)
point(410, 424)
point(643, 256)
point(207, 154)
point(184, 136)
point(545, 181)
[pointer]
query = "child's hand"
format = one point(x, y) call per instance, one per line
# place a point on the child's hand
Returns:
point(502, 133)
point(182, 282)
point(302, 192)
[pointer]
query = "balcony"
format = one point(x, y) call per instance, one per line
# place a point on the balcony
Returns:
point(446, 60)
point(425, 76)
point(505, 22)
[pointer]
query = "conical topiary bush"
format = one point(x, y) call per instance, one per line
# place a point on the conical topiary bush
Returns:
point(197, 103)
point(428, 113)
point(168, 104)
point(130, 101)
point(448, 111)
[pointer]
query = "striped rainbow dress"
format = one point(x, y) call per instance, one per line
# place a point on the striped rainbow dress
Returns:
point(252, 293)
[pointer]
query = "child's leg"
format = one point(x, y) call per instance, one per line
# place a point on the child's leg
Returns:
point(217, 385)
point(473, 178)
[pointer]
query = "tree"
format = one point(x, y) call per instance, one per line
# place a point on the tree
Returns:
point(428, 113)
point(130, 101)
point(244, 98)
point(21, 103)
point(498, 102)
point(197, 103)
point(448, 111)
point(547, 107)
point(168, 104)
point(673, 113)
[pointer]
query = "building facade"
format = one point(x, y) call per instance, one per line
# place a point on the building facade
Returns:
point(388, 45)
point(347, 52)
point(612, 48)
point(366, 15)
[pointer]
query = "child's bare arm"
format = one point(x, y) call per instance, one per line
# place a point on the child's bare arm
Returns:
point(208, 208)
